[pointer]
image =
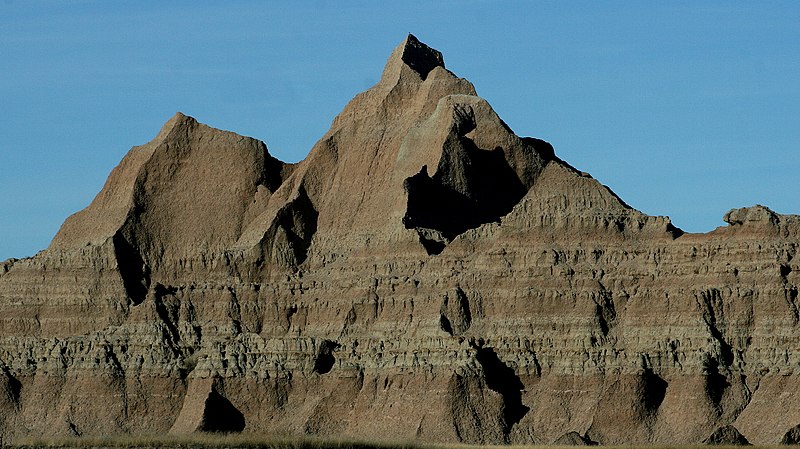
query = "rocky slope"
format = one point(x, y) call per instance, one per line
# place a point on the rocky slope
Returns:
point(423, 273)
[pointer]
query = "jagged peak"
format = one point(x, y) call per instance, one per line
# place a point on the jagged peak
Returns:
point(176, 121)
point(414, 54)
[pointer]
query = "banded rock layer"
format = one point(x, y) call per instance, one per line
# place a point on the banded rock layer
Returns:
point(424, 273)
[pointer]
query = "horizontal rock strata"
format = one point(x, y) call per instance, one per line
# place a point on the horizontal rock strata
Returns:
point(423, 274)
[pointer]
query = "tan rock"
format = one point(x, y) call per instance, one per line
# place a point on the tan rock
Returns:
point(728, 436)
point(423, 270)
point(792, 436)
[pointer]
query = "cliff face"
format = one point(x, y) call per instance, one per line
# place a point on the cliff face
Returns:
point(423, 273)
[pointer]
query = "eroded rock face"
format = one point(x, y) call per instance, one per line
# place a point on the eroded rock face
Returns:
point(792, 436)
point(573, 439)
point(423, 270)
point(727, 435)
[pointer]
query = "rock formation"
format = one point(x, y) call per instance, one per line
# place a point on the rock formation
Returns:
point(726, 436)
point(792, 436)
point(424, 273)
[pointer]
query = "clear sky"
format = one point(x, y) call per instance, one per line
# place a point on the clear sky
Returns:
point(683, 108)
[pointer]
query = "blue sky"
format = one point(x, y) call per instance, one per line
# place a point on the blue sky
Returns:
point(685, 109)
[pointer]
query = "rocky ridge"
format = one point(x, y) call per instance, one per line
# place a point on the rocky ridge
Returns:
point(424, 273)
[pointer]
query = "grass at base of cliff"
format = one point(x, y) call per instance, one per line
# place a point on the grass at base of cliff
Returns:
point(207, 441)
point(253, 441)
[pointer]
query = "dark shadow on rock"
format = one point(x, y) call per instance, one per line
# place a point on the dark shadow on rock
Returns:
point(502, 379)
point(471, 187)
point(573, 439)
point(715, 382)
point(445, 325)
point(455, 316)
point(605, 311)
point(792, 436)
point(711, 302)
point(655, 389)
point(132, 268)
point(727, 435)
point(299, 220)
point(325, 360)
point(168, 310)
point(13, 387)
point(421, 58)
point(286, 242)
point(221, 416)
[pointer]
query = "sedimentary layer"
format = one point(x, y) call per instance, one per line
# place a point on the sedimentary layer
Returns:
point(424, 274)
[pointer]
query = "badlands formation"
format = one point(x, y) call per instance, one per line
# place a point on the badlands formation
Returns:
point(423, 274)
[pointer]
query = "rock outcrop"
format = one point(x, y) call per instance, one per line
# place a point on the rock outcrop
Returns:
point(726, 436)
point(792, 436)
point(423, 270)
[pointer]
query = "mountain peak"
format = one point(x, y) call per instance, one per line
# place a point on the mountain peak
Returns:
point(420, 57)
point(424, 269)
point(176, 121)
point(415, 55)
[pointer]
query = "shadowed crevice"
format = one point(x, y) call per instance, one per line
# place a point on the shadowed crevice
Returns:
point(299, 220)
point(323, 364)
point(12, 387)
point(288, 239)
point(471, 187)
point(655, 389)
point(711, 304)
point(455, 316)
point(792, 436)
point(134, 271)
point(168, 310)
point(502, 379)
point(221, 416)
point(605, 311)
point(715, 382)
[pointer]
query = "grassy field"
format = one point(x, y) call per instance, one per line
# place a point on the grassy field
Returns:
point(216, 441)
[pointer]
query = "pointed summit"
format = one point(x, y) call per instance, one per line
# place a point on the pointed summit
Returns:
point(421, 245)
point(419, 56)
point(415, 55)
point(176, 121)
